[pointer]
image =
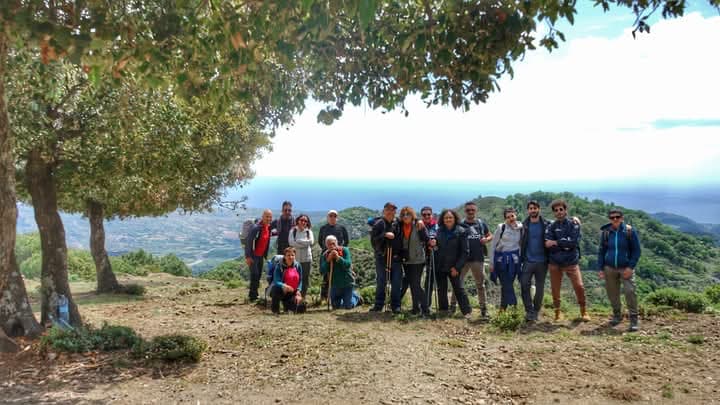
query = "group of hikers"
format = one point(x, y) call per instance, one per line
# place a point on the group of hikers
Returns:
point(445, 249)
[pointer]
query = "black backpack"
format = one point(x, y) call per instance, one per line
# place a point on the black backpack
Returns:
point(606, 235)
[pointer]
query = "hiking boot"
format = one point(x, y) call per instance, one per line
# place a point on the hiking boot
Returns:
point(483, 314)
point(558, 315)
point(584, 315)
point(616, 319)
point(452, 309)
point(396, 310)
point(634, 325)
point(529, 317)
point(376, 308)
point(361, 301)
point(468, 316)
point(536, 315)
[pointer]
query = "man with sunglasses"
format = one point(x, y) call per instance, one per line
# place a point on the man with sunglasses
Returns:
point(618, 255)
point(562, 239)
point(341, 235)
point(478, 236)
point(281, 227)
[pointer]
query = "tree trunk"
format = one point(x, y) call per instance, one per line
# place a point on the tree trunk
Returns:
point(16, 316)
point(54, 282)
point(106, 280)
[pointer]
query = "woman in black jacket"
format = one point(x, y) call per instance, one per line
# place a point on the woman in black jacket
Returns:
point(449, 260)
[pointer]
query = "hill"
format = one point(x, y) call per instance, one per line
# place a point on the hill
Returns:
point(687, 225)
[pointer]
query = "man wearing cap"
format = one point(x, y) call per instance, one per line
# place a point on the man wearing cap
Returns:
point(339, 232)
point(383, 241)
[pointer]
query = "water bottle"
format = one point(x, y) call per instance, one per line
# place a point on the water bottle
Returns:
point(62, 308)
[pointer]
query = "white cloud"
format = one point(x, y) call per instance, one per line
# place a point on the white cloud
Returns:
point(562, 117)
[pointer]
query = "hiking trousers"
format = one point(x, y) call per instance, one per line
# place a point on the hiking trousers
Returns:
point(255, 273)
point(478, 273)
point(287, 299)
point(613, 279)
point(413, 272)
point(345, 297)
point(306, 266)
point(533, 305)
point(381, 281)
point(458, 289)
point(573, 273)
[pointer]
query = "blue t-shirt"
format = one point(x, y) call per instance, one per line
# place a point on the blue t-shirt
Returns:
point(536, 243)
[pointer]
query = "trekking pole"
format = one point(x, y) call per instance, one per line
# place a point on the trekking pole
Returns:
point(435, 282)
point(330, 283)
point(388, 269)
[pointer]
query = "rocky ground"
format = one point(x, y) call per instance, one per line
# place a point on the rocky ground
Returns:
point(355, 357)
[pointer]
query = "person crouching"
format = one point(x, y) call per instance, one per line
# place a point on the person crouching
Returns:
point(341, 292)
point(287, 284)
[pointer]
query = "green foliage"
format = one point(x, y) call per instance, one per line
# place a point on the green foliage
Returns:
point(172, 348)
point(696, 339)
point(509, 320)
point(139, 258)
point(232, 284)
point(231, 270)
point(32, 266)
point(683, 300)
point(81, 265)
point(133, 289)
point(86, 338)
point(713, 293)
point(172, 264)
point(121, 266)
point(368, 294)
point(26, 245)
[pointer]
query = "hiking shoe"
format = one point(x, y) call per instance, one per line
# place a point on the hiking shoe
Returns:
point(376, 308)
point(584, 315)
point(536, 315)
point(483, 315)
point(634, 326)
point(616, 319)
point(396, 311)
point(468, 316)
point(529, 317)
point(361, 301)
point(452, 309)
point(558, 315)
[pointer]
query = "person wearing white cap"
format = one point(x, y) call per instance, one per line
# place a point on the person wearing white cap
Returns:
point(336, 230)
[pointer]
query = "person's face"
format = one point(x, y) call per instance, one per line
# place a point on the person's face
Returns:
point(426, 216)
point(406, 217)
point(332, 219)
point(267, 217)
point(533, 211)
point(331, 244)
point(470, 211)
point(389, 213)
point(449, 220)
point(559, 212)
point(302, 223)
point(289, 257)
point(510, 217)
point(615, 219)
point(286, 211)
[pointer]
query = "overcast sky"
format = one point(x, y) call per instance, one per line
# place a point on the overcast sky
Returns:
point(603, 107)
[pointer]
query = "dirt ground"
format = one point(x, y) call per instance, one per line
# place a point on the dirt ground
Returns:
point(356, 357)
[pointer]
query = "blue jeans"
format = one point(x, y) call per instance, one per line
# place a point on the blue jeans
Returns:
point(507, 267)
point(345, 297)
point(256, 271)
point(380, 280)
point(533, 305)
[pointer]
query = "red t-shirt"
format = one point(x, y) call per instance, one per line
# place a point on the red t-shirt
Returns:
point(263, 241)
point(291, 277)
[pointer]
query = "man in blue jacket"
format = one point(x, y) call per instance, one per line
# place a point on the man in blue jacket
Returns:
point(618, 255)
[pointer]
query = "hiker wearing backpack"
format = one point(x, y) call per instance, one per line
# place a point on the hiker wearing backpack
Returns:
point(339, 232)
point(414, 242)
point(450, 259)
point(287, 284)
point(281, 227)
point(505, 257)
point(562, 239)
point(385, 240)
point(430, 225)
point(342, 294)
point(618, 255)
point(301, 238)
point(257, 246)
point(478, 236)
point(534, 260)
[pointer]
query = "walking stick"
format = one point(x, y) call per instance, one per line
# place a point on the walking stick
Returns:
point(435, 282)
point(332, 263)
point(388, 269)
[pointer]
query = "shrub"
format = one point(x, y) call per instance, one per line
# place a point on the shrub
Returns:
point(368, 294)
point(233, 284)
point(713, 294)
point(86, 338)
point(27, 245)
point(683, 300)
point(172, 264)
point(172, 348)
point(139, 258)
point(696, 339)
point(32, 266)
point(225, 271)
point(133, 289)
point(121, 266)
point(509, 320)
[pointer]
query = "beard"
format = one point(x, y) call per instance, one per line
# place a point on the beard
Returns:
point(534, 215)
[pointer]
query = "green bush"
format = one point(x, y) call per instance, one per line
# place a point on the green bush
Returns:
point(133, 289)
point(86, 338)
point(81, 265)
point(27, 245)
point(226, 271)
point(172, 264)
point(713, 294)
point(683, 300)
point(368, 294)
point(32, 266)
point(121, 266)
point(172, 348)
point(509, 320)
point(139, 258)
point(232, 284)
point(696, 339)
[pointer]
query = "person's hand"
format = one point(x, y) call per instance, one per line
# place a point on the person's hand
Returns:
point(550, 243)
point(298, 298)
point(333, 255)
point(249, 261)
point(483, 240)
point(420, 225)
point(627, 273)
point(287, 289)
point(433, 242)
point(492, 269)
point(576, 221)
point(602, 275)
point(389, 235)
point(274, 232)
point(453, 272)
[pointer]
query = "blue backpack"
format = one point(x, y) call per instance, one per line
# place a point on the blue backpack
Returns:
point(272, 264)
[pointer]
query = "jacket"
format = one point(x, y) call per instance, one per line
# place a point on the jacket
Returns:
point(252, 238)
point(280, 271)
point(413, 249)
point(526, 236)
point(380, 243)
point(282, 226)
point(302, 241)
point(617, 251)
point(451, 249)
point(567, 235)
point(337, 230)
point(342, 270)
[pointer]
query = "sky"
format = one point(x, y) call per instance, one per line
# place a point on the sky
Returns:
point(604, 107)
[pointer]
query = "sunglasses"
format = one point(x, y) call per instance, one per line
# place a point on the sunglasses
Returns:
point(427, 215)
point(407, 215)
point(302, 220)
point(558, 209)
point(613, 217)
